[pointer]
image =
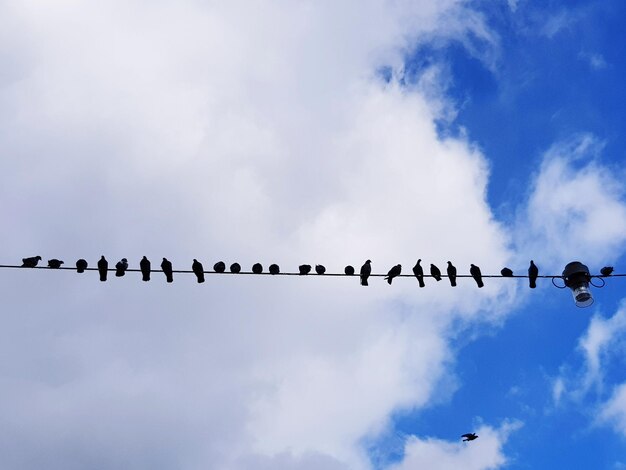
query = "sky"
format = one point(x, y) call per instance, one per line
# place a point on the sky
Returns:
point(296, 132)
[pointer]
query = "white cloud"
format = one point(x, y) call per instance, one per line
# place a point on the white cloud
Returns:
point(614, 410)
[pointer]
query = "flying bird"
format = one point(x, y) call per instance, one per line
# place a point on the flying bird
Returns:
point(319, 269)
point(30, 262)
point(435, 272)
point(257, 268)
point(219, 267)
point(166, 266)
point(419, 273)
point(81, 265)
point(606, 271)
point(103, 267)
point(274, 269)
point(476, 274)
point(506, 272)
point(55, 263)
point(366, 270)
point(304, 269)
point(198, 270)
point(121, 267)
point(451, 270)
point(348, 270)
point(533, 272)
point(144, 264)
point(393, 272)
point(235, 268)
point(469, 437)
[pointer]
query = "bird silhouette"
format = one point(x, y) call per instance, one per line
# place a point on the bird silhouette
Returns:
point(274, 269)
point(320, 269)
point(435, 272)
point(166, 266)
point(55, 263)
point(30, 262)
point(145, 265)
point(506, 272)
point(393, 272)
point(349, 270)
point(366, 271)
point(451, 270)
point(198, 270)
point(419, 273)
point(121, 267)
point(235, 268)
point(304, 269)
point(257, 268)
point(533, 272)
point(81, 265)
point(606, 271)
point(103, 267)
point(469, 437)
point(476, 274)
point(219, 267)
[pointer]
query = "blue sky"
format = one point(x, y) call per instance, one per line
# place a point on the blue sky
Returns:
point(292, 132)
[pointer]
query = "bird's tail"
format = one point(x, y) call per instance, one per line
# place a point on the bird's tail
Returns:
point(453, 282)
point(533, 284)
point(103, 276)
point(389, 279)
point(421, 281)
point(364, 281)
point(170, 278)
point(146, 276)
point(480, 283)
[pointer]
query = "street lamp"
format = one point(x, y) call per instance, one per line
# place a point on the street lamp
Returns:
point(576, 276)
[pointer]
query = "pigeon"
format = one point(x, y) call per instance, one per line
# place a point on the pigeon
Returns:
point(469, 437)
point(81, 265)
point(144, 264)
point(257, 268)
point(419, 273)
point(166, 266)
point(393, 272)
point(348, 270)
point(30, 262)
point(478, 277)
point(121, 267)
point(451, 270)
point(506, 272)
point(366, 270)
point(606, 271)
point(103, 266)
point(319, 269)
point(274, 269)
point(235, 268)
point(219, 267)
point(198, 270)
point(304, 269)
point(55, 263)
point(435, 272)
point(533, 272)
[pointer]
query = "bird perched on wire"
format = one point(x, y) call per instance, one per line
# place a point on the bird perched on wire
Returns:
point(418, 271)
point(366, 271)
point(257, 268)
point(477, 275)
point(55, 263)
point(435, 272)
point(533, 272)
point(219, 267)
point(103, 268)
point(274, 269)
point(393, 272)
point(198, 270)
point(451, 270)
point(469, 437)
point(606, 271)
point(120, 267)
point(320, 269)
point(304, 269)
point(166, 266)
point(30, 262)
point(145, 265)
point(506, 272)
point(348, 270)
point(235, 268)
point(81, 265)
